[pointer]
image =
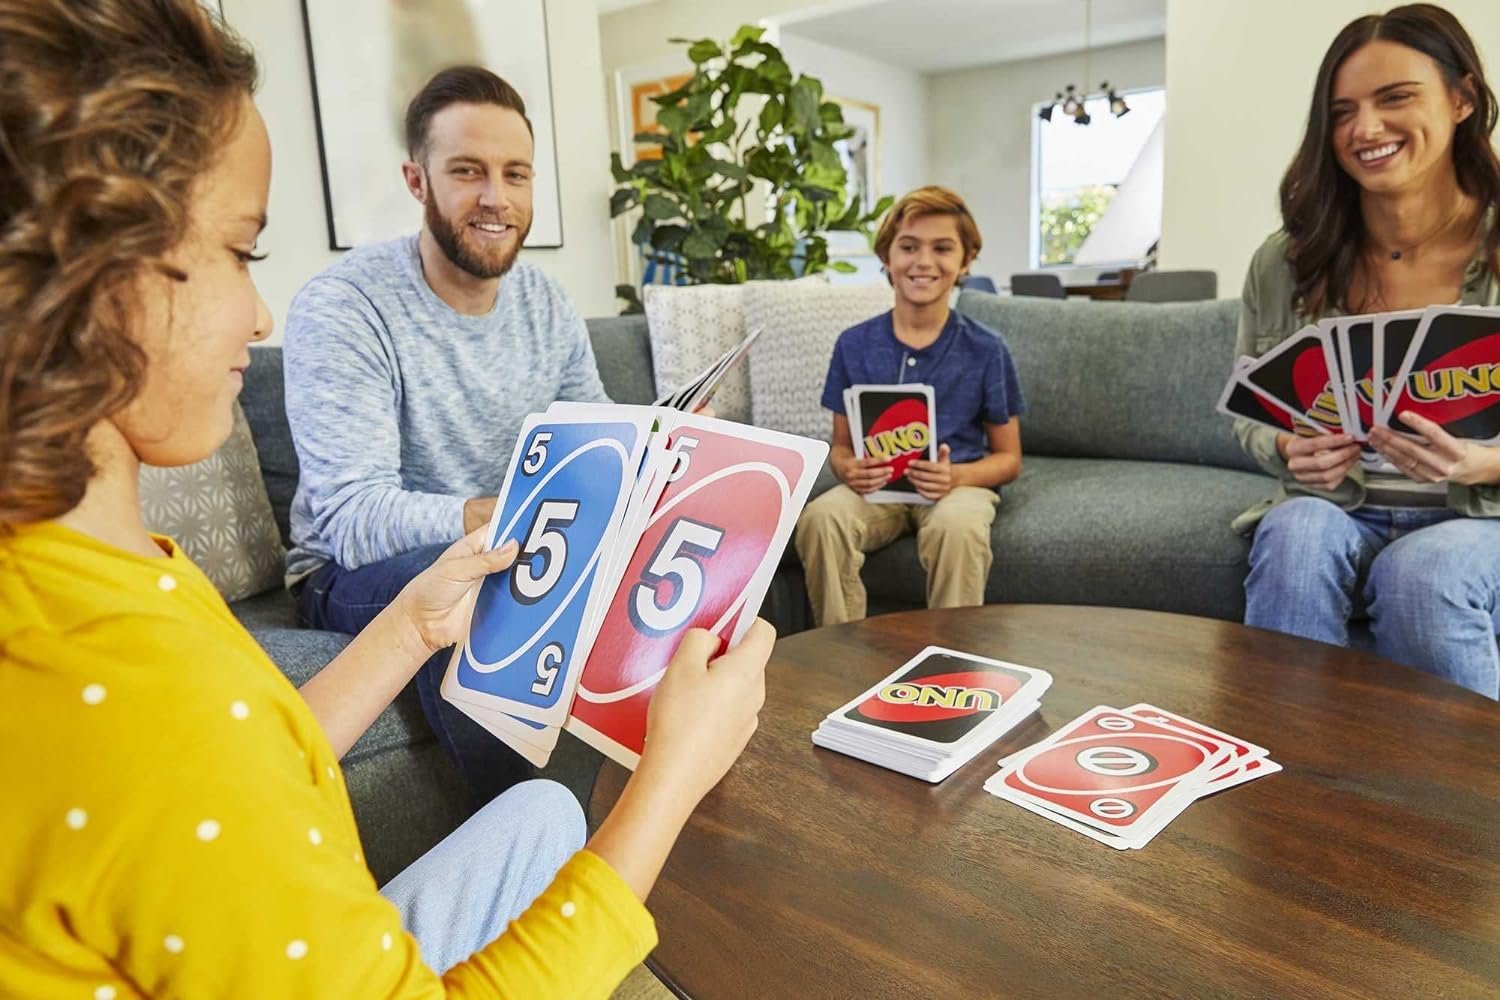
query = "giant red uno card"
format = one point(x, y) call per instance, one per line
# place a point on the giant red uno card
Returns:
point(704, 560)
point(1111, 770)
point(1451, 374)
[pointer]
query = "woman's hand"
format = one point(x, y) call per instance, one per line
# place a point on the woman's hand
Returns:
point(436, 605)
point(705, 709)
point(862, 475)
point(934, 480)
point(701, 716)
point(1320, 462)
point(1439, 457)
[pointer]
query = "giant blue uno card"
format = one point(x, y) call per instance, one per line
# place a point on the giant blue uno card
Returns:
point(563, 498)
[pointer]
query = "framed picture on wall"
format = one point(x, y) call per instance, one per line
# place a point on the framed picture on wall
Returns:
point(368, 58)
point(860, 152)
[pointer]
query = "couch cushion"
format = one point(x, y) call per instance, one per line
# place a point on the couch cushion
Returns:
point(1120, 379)
point(272, 609)
point(1150, 535)
point(622, 350)
point(217, 510)
point(264, 402)
point(790, 361)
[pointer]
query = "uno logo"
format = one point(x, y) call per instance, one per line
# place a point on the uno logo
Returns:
point(943, 696)
point(901, 433)
point(1459, 384)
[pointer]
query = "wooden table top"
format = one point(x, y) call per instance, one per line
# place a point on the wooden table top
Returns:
point(1369, 868)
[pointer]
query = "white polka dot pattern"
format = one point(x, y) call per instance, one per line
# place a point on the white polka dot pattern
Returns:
point(568, 909)
point(93, 694)
point(385, 941)
point(208, 830)
point(105, 993)
point(173, 944)
point(296, 949)
point(314, 837)
point(239, 710)
point(168, 582)
point(77, 819)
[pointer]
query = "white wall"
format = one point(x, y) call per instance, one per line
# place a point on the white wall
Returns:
point(980, 123)
point(1239, 79)
point(900, 94)
point(638, 35)
point(297, 237)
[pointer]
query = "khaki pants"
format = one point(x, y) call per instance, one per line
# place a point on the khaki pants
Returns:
point(953, 543)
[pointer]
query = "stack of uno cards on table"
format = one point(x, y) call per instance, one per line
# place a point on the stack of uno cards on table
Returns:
point(896, 424)
point(635, 524)
point(696, 394)
point(935, 713)
point(1351, 373)
point(1121, 776)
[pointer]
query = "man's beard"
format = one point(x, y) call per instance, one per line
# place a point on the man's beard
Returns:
point(470, 260)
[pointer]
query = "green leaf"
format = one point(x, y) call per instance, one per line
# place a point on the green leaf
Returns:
point(617, 169)
point(668, 238)
point(622, 201)
point(700, 243)
point(659, 207)
point(732, 170)
point(632, 300)
point(803, 105)
point(842, 267)
point(642, 235)
point(770, 115)
point(747, 33)
point(674, 119)
point(831, 113)
point(703, 50)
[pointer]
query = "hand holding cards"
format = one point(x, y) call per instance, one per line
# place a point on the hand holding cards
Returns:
point(895, 424)
point(635, 525)
point(934, 713)
point(1121, 776)
point(1348, 374)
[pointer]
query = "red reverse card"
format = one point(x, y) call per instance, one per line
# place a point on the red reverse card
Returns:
point(704, 561)
point(1111, 770)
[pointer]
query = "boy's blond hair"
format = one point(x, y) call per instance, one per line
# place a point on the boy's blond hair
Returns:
point(930, 200)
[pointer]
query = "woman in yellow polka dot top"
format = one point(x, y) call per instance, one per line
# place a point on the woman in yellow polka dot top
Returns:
point(174, 819)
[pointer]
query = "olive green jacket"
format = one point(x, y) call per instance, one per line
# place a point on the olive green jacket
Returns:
point(1267, 317)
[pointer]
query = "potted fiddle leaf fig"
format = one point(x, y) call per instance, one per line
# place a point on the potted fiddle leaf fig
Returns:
point(717, 148)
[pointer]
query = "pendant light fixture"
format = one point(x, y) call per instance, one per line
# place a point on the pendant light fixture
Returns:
point(1073, 103)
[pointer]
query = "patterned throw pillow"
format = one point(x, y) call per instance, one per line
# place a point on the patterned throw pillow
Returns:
point(218, 511)
point(790, 360)
point(691, 326)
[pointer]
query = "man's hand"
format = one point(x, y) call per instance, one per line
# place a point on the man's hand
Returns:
point(1439, 457)
point(1320, 462)
point(435, 606)
point(934, 480)
point(477, 513)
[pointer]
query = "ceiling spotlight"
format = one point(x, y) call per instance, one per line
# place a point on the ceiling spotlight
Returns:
point(1117, 105)
point(1072, 106)
point(1046, 113)
point(1083, 117)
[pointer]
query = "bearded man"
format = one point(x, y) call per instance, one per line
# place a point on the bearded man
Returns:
point(410, 366)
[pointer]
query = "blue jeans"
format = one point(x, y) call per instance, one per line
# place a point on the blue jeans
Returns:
point(1429, 580)
point(460, 895)
point(346, 600)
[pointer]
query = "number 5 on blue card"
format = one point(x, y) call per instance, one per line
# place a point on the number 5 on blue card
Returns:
point(563, 499)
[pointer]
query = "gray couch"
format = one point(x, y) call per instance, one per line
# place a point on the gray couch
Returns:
point(1129, 485)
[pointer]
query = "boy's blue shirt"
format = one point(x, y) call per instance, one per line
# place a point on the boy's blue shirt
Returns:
point(969, 367)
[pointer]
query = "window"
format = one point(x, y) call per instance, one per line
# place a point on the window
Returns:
point(1102, 180)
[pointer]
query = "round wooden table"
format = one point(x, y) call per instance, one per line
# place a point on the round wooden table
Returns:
point(1369, 868)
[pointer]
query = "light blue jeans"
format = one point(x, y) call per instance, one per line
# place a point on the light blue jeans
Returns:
point(460, 895)
point(1429, 580)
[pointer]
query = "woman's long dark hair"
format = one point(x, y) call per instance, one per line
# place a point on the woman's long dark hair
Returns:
point(1320, 203)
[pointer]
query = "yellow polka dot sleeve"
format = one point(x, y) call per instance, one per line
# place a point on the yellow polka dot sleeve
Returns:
point(176, 825)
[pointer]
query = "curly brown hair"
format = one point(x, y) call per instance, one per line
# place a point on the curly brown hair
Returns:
point(110, 110)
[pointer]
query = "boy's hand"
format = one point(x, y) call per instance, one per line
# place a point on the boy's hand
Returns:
point(934, 480)
point(863, 475)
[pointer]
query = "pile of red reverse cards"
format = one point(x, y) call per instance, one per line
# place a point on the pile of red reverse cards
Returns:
point(1120, 776)
point(1350, 373)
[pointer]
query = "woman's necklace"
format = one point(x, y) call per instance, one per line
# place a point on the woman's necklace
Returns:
point(1400, 254)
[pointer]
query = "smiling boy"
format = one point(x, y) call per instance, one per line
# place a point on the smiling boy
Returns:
point(927, 242)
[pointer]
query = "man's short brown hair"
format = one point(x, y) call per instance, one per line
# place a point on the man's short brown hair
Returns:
point(931, 200)
point(457, 85)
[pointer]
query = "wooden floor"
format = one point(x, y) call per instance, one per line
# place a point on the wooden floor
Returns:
point(642, 985)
